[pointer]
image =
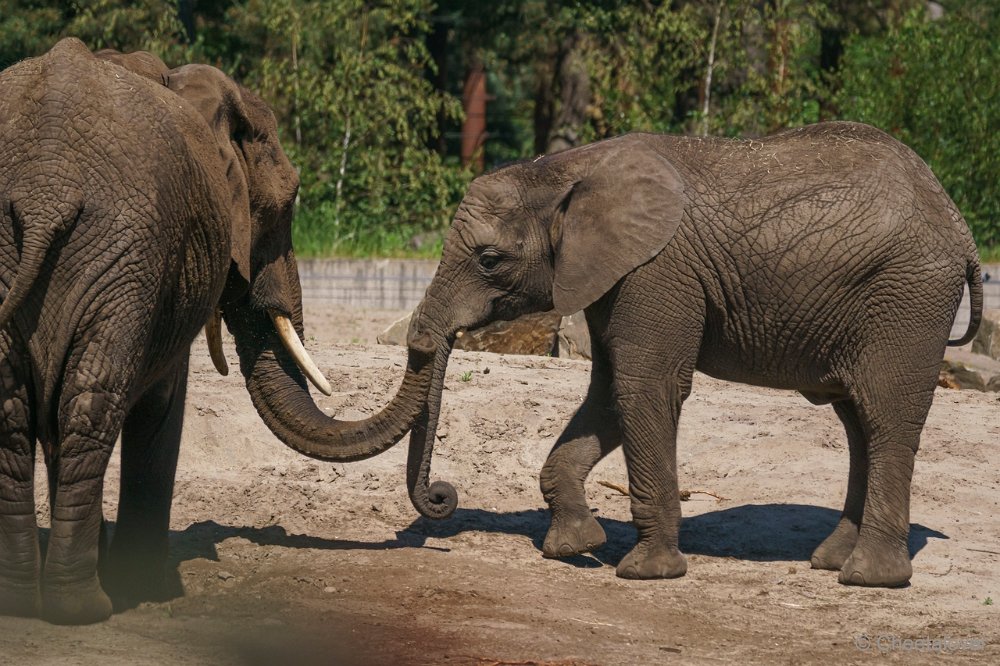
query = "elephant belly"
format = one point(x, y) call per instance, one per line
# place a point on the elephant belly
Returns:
point(807, 368)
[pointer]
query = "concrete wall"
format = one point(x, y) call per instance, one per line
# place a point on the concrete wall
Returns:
point(388, 284)
point(399, 284)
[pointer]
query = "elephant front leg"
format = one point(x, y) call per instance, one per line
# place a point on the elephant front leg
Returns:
point(19, 554)
point(136, 567)
point(649, 413)
point(592, 433)
point(71, 592)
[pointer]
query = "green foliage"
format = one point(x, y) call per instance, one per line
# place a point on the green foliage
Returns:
point(29, 28)
point(353, 85)
point(934, 85)
point(26, 28)
point(348, 81)
point(640, 63)
point(770, 53)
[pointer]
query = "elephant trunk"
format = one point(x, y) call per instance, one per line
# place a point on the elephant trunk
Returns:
point(436, 500)
point(279, 393)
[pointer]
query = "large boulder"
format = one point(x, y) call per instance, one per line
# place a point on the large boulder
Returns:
point(956, 375)
point(574, 337)
point(987, 340)
point(531, 334)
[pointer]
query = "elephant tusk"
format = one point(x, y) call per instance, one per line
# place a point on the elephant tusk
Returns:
point(213, 334)
point(459, 334)
point(293, 345)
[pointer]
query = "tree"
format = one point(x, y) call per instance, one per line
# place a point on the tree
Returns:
point(933, 85)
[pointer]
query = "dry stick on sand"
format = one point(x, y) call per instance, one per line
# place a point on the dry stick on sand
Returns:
point(975, 550)
point(685, 494)
point(485, 661)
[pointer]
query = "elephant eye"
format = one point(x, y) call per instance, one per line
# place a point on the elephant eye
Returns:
point(489, 260)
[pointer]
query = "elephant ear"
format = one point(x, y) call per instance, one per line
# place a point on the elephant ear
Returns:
point(218, 99)
point(620, 213)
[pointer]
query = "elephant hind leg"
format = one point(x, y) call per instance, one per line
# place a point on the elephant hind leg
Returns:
point(836, 548)
point(892, 405)
point(135, 569)
point(591, 434)
point(91, 412)
point(19, 553)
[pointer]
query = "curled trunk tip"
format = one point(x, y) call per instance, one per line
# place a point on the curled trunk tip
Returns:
point(437, 500)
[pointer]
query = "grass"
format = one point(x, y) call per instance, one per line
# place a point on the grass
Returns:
point(990, 255)
point(466, 376)
point(313, 238)
point(396, 247)
point(379, 244)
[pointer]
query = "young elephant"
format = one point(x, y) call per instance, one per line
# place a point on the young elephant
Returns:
point(825, 259)
point(137, 203)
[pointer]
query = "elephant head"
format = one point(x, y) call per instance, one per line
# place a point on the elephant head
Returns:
point(262, 300)
point(554, 233)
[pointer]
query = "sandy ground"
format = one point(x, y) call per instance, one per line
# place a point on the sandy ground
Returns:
point(283, 559)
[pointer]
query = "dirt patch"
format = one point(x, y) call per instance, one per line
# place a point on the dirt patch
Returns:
point(286, 560)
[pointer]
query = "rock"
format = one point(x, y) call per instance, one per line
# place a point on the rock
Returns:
point(955, 375)
point(574, 337)
point(530, 334)
point(541, 334)
point(987, 340)
point(396, 333)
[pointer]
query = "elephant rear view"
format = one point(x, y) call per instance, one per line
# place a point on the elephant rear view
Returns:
point(825, 259)
point(138, 203)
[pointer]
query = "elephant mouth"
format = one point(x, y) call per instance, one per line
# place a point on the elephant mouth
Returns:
point(289, 339)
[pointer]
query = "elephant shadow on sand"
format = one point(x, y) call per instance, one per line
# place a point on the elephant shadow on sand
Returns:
point(755, 532)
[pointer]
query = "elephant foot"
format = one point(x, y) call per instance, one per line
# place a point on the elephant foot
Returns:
point(80, 603)
point(20, 600)
point(881, 565)
point(572, 537)
point(836, 548)
point(131, 578)
point(644, 562)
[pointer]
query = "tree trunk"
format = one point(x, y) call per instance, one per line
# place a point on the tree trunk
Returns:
point(573, 85)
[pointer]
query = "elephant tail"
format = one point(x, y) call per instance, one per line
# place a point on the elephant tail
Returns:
point(41, 221)
point(974, 279)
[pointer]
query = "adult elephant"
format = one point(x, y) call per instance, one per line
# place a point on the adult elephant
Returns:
point(826, 259)
point(137, 203)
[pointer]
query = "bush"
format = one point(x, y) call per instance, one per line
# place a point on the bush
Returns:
point(933, 85)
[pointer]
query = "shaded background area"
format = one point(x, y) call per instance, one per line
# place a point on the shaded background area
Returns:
point(376, 100)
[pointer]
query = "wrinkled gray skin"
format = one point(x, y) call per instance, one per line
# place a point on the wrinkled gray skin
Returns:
point(825, 259)
point(134, 201)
